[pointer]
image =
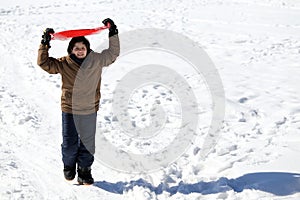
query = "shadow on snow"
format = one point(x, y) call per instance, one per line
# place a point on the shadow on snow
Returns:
point(277, 183)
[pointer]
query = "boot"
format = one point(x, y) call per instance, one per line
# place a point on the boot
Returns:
point(69, 172)
point(84, 176)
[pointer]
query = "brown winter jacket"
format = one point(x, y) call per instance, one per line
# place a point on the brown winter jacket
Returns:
point(80, 83)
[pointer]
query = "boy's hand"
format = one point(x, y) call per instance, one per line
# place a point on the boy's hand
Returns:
point(47, 37)
point(112, 27)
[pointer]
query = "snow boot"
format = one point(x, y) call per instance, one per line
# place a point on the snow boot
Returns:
point(84, 176)
point(69, 173)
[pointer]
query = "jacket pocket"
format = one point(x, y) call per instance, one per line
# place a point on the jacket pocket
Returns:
point(66, 97)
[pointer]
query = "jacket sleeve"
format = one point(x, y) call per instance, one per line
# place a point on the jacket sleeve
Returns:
point(108, 56)
point(49, 64)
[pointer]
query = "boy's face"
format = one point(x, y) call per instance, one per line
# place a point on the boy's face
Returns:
point(79, 50)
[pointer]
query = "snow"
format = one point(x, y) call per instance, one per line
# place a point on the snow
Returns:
point(255, 46)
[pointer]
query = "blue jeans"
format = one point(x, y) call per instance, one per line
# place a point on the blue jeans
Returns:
point(78, 144)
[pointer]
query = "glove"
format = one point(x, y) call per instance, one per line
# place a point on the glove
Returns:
point(112, 29)
point(47, 37)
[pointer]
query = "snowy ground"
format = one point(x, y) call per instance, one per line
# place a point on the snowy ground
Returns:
point(255, 45)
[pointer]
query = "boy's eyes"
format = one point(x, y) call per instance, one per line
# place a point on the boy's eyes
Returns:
point(78, 49)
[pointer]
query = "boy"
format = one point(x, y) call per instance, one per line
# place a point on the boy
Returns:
point(79, 121)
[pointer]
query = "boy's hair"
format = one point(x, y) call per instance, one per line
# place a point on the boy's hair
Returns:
point(78, 39)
